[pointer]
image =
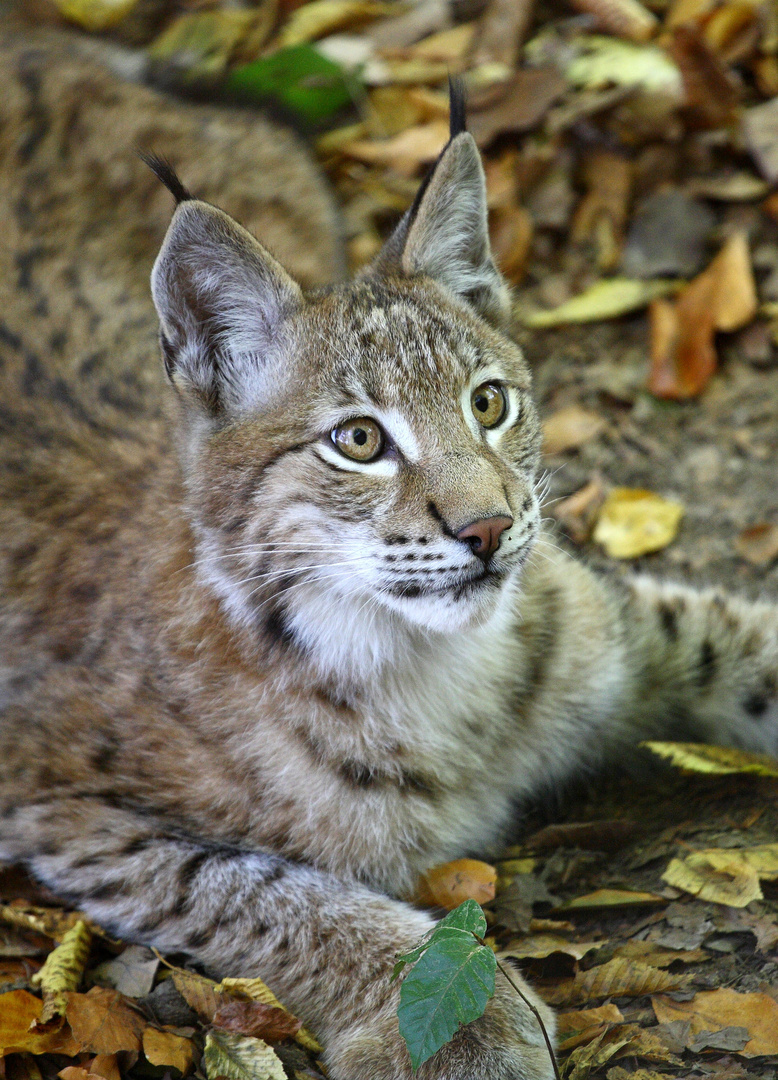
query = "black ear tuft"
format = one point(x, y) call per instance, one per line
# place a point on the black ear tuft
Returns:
point(165, 172)
point(457, 106)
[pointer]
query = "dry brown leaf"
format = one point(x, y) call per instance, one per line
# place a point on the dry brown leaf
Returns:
point(168, 1050)
point(404, 152)
point(539, 946)
point(570, 428)
point(447, 46)
point(718, 876)
point(625, 18)
point(199, 993)
point(687, 11)
point(73, 1072)
point(578, 512)
point(634, 522)
point(607, 835)
point(716, 1009)
point(104, 1022)
point(19, 1011)
point(321, 17)
point(711, 97)
point(719, 760)
point(649, 953)
point(105, 1065)
point(584, 1025)
point(525, 99)
point(52, 922)
point(758, 544)
point(727, 24)
point(257, 990)
point(736, 300)
point(616, 978)
point(645, 1044)
point(62, 971)
point(602, 213)
point(511, 232)
point(760, 131)
point(501, 33)
point(256, 1019)
point(450, 884)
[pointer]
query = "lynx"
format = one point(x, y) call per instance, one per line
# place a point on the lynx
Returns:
point(271, 652)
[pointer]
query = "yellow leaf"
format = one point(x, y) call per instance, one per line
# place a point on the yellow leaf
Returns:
point(634, 522)
point(612, 898)
point(199, 993)
point(104, 1022)
point(698, 757)
point(405, 152)
point(604, 300)
point(570, 1022)
point(95, 15)
point(19, 1012)
point(169, 1050)
point(539, 946)
point(718, 875)
point(716, 1009)
point(238, 1057)
point(63, 969)
point(314, 20)
point(617, 978)
point(256, 990)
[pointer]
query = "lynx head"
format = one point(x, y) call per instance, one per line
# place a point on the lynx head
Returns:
point(360, 461)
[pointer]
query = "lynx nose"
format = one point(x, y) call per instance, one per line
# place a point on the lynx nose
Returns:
point(484, 536)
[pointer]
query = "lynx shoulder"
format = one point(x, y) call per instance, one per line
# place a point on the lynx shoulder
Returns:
point(279, 629)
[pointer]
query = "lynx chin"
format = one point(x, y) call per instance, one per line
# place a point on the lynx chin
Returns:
point(271, 653)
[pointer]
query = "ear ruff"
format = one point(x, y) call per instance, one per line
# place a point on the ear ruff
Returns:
point(165, 172)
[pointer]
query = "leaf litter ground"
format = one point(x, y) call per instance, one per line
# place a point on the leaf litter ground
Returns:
point(624, 150)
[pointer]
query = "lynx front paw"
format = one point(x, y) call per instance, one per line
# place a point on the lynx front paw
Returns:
point(505, 1044)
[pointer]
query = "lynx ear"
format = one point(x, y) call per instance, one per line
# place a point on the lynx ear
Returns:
point(222, 300)
point(445, 233)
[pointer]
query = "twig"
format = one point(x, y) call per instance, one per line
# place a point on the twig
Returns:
point(529, 1005)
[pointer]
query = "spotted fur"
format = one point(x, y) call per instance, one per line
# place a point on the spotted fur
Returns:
point(251, 687)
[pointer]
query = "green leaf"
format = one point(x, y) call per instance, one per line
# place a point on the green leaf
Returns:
point(299, 77)
point(237, 1057)
point(450, 984)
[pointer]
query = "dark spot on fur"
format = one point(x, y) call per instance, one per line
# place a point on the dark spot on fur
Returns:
point(708, 664)
point(756, 705)
point(198, 938)
point(668, 616)
point(358, 774)
point(277, 628)
point(84, 591)
point(420, 784)
point(396, 539)
point(408, 591)
point(107, 891)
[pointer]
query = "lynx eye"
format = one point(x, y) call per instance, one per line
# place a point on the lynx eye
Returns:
point(360, 440)
point(489, 404)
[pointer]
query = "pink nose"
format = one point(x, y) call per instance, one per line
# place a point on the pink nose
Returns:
point(484, 536)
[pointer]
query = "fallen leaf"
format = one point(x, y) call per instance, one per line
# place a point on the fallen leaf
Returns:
point(646, 1044)
point(511, 231)
point(760, 131)
point(569, 1023)
point(539, 946)
point(710, 95)
point(716, 1009)
point(321, 17)
point(256, 1019)
point(200, 44)
point(238, 1058)
point(592, 1056)
point(62, 971)
point(607, 299)
point(758, 544)
point(132, 972)
point(633, 522)
point(616, 978)
point(95, 15)
point(600, 61)
point(525, 99)
point(404, 152)
point(608, 835)
point(699, 757)
point(728, 1038)
point(623, 18)
point(718, 876)
point(199, 993)
point(105, 1065)
point(168, 1050)
point(256, 990)
point(650, 953)
point(19, 1010)
point(513, 906)
point(104, 1022)
point(448, 45)
point(450, 884)
point(300, 78)
point(502, 30)
point(736, 301)
point(570, 428)
point(52, 922)
point(604, 898)
point(578, 512)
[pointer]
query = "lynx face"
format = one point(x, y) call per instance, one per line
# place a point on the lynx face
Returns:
point(362, 459)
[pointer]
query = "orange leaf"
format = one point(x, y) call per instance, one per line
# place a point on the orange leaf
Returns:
point(18, 1010)
point(104, 1022)
point(169, 1050)
point(617, 978)
point(716, 1009)
point(452, 883)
